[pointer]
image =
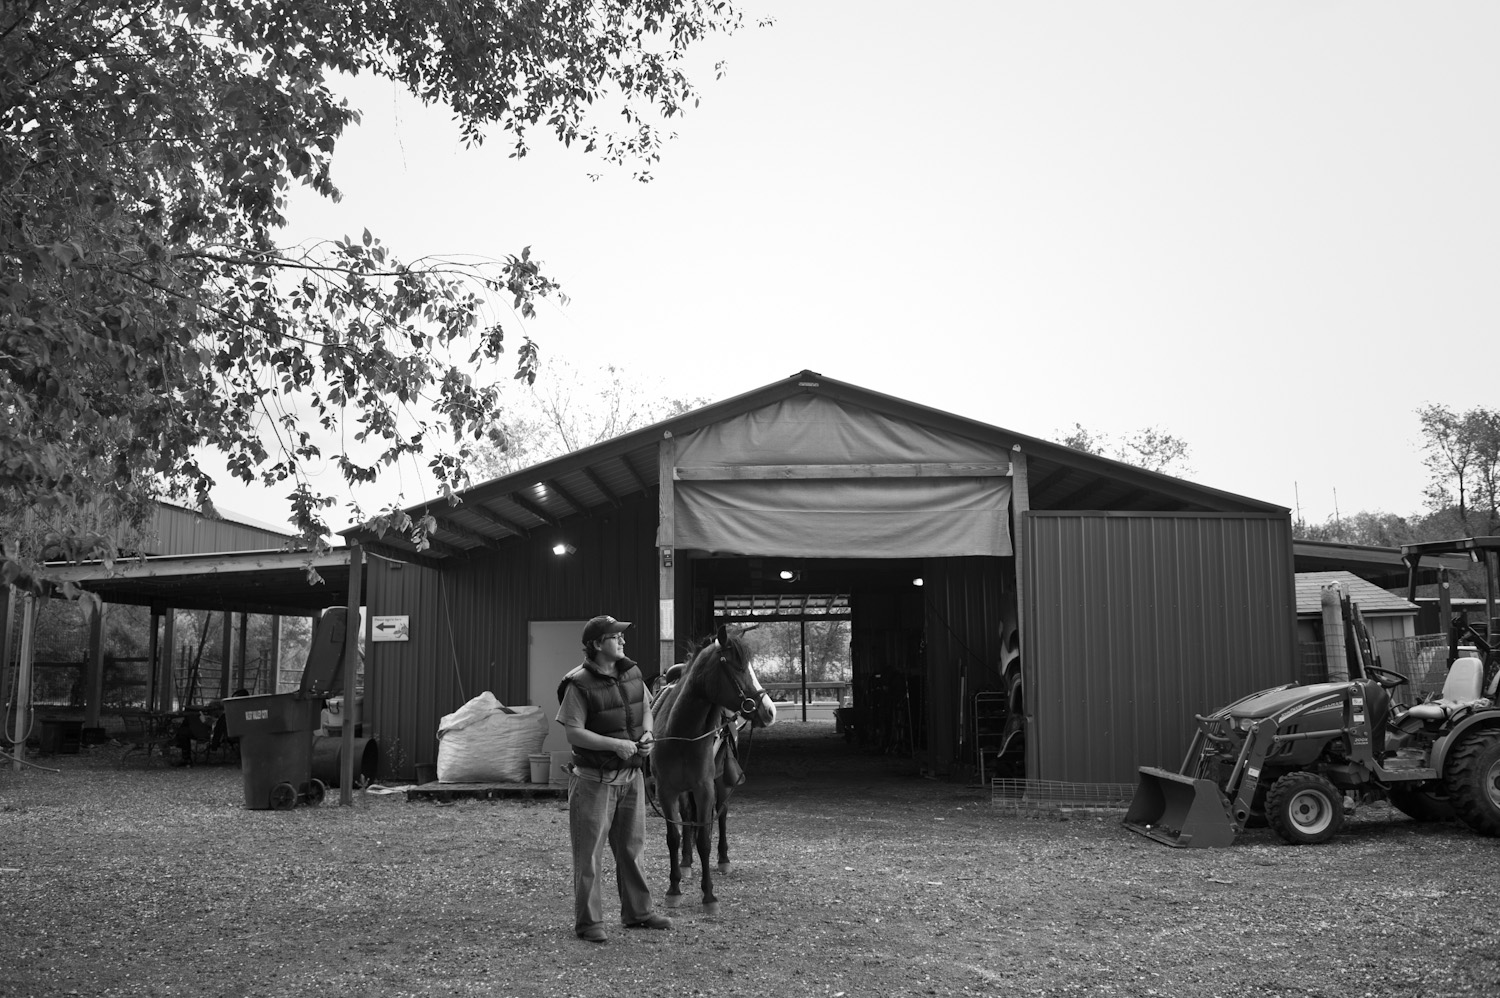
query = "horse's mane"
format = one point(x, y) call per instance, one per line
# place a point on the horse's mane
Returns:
point(678, 675)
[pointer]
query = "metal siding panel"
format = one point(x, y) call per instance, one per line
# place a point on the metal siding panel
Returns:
point(469, 621)
point(1136, 622)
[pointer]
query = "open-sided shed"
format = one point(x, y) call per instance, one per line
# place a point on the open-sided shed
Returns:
point(1105, 602)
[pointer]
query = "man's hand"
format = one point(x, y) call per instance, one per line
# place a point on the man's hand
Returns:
point(624, 748)
point(646, 744)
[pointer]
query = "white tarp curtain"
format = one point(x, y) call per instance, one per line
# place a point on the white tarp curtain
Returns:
point(925, 517)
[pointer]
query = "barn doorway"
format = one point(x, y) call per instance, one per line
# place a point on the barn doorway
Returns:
point(840, 642)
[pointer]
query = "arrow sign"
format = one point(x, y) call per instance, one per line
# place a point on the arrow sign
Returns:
point(391, 628)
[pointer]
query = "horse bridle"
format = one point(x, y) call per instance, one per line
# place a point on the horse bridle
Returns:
point(749, 702)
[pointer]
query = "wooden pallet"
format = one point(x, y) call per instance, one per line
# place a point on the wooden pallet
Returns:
point(485, 791)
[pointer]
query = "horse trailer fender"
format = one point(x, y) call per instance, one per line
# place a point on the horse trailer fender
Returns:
point(1489, 719)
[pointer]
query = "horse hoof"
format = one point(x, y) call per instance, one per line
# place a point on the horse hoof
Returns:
point(674, 900)
point(711, 909)
point(723, 868)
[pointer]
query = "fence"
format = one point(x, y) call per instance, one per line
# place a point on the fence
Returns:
point(1423, 659)
point(1035, 796)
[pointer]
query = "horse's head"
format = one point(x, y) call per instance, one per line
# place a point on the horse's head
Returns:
point(741, 691)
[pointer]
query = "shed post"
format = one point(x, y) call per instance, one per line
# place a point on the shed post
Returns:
point(351, 667)
point(153, 667)
point(93, 679)
point(22, 702)
point(275, 659)
point(239, 661)
point(226, 649)
point(166, 668)
point(666, 540)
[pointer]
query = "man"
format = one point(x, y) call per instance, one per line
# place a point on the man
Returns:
point(602, 706)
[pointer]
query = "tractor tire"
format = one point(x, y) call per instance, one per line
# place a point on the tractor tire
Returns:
point(1304, 809)
point(1474, 781)
point(1423, 805)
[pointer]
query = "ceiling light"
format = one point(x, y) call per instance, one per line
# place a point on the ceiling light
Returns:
point(916, 581)
point(563, 547)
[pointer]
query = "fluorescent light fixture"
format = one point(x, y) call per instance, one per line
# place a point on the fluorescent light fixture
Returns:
point(563, 547)
point(916, 581)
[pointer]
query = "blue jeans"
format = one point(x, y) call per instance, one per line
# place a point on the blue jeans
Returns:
point(617, 812)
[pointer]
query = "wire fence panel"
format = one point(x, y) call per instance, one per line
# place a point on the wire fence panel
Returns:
point(1033, 796)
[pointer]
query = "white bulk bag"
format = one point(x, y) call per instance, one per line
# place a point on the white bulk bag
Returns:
point(485, 741)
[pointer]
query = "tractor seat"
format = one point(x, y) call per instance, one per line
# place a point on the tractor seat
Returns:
point(1464, 687)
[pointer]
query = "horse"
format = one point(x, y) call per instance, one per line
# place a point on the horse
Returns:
point(727, 771)
point(718, 679)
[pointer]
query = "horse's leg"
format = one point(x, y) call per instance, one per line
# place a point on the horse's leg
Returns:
point(703, 802)
point(689, 816)
point(723, 792)
point(671, 813)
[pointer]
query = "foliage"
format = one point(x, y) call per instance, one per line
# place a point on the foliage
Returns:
point(1372, 528)
point(569, 407)
point(1463, 461)
point(1151, 448)
point(778, 651)
point(146, 309)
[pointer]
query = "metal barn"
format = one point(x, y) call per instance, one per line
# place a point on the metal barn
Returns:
point(1086, 607)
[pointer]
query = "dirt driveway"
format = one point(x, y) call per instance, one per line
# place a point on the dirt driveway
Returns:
point(853, 876)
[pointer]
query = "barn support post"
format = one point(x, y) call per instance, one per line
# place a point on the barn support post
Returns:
point(260, 683)
point(351, 668)
point(666, 540)
point(93, 675)
point(151, 655)
point(802, 625)
point(226, 649)
point(164, 667)
point(239, 660)
point(1020, 502)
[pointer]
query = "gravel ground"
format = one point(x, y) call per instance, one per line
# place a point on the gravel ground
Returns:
point(852, 875)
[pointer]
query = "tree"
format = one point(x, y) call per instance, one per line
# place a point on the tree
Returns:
point(146, 308)
point(1151, 448)
point(1463, 460)
point(778, 651)
point(569, 407)
point(1372, 528)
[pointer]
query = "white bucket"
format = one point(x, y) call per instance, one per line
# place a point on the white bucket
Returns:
point(541, 768)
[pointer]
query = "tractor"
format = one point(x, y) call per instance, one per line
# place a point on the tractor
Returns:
point(1298, 756)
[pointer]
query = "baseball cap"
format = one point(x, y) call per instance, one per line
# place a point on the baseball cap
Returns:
point(602, 625)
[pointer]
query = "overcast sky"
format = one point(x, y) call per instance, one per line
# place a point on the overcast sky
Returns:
point(1268, 228)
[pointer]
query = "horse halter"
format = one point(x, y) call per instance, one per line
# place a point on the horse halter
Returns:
point(749, 702)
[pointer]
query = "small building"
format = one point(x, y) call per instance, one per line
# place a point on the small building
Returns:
point(1391, 619)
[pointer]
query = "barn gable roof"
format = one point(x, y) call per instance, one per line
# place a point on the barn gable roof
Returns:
point(604, 474)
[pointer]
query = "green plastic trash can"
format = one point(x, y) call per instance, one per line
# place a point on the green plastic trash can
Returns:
point(276, 729)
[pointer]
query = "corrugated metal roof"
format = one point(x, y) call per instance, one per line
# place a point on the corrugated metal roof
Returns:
point(601, 476)
point(1370, 597)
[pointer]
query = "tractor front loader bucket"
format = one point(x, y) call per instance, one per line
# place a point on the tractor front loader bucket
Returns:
point(1180, 811)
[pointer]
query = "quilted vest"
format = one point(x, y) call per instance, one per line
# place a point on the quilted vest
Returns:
point(616, 709)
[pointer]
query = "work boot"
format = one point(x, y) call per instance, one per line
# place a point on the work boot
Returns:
point(652, 921)
point(593, 934)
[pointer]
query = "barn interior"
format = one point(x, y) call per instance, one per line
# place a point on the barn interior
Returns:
point(884, 706)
